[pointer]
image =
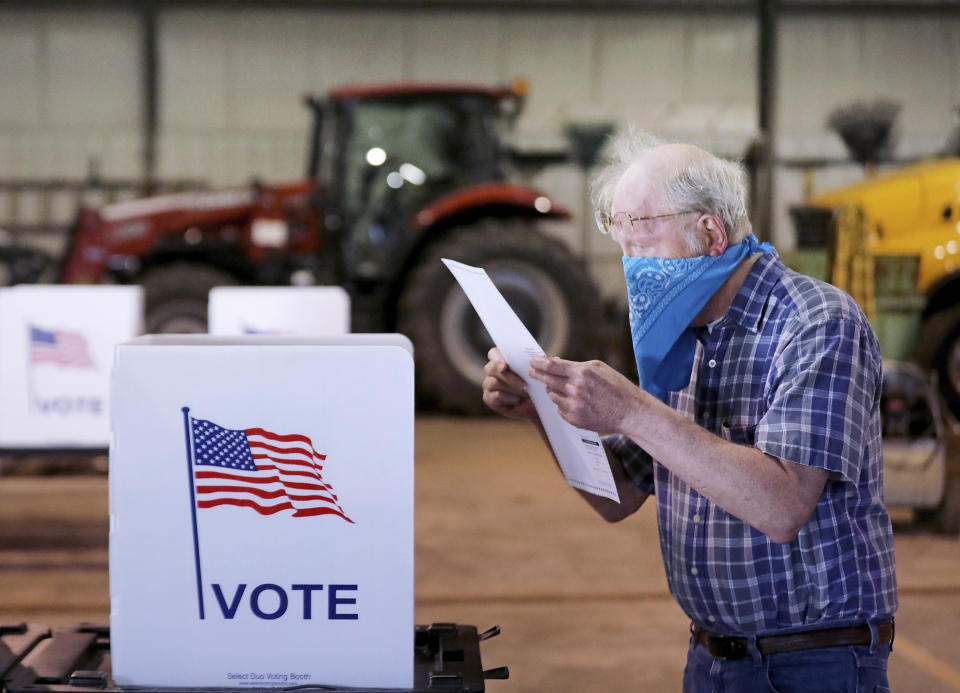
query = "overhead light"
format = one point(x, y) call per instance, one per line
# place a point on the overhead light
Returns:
point(376, 156)
point(412, 173)
point(394, 180)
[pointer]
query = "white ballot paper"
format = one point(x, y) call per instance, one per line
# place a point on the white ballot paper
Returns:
point(579, 452)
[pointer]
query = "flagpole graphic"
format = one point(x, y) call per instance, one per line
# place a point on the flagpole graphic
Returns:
point(193, 509)
point(31, 385)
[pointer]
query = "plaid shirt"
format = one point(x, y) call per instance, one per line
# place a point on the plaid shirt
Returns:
point(793, 369)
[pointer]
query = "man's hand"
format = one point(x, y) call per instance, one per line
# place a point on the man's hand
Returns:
point(504, 391)
point(588, 394)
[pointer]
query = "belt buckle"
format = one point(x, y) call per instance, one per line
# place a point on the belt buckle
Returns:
point(727, 647)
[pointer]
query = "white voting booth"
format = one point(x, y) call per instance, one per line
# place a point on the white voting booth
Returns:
point(261, 511)
point(56, 349)
point(302, 310)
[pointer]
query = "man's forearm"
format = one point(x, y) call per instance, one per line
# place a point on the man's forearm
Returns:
point(773, 496)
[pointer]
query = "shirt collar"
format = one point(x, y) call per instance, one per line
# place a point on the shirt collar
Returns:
point(747, 307)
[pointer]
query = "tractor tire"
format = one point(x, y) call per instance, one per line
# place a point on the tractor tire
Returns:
point(948, 512)
point(945, 516)
point(543, 282)
point(176, 296)
point(938, 347)
point(22, 265)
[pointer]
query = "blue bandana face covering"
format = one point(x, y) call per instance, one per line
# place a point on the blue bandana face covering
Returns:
point(665, 294)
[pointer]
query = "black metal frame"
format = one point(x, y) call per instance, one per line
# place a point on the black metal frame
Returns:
point(76, 659)
point(673, 6)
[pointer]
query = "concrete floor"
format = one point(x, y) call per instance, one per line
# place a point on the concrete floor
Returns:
point(500, 539)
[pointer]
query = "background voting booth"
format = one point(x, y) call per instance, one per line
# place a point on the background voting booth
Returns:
point(56, 349)
point(308, 310)
point(261, 507)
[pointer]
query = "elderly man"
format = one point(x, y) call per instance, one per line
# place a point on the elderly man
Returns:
point(756, 426)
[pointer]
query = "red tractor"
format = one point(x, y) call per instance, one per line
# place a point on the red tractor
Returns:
point(398, 177)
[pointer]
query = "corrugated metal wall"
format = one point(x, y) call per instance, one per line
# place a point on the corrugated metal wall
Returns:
point(231, 82)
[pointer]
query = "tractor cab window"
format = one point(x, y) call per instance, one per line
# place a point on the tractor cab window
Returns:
point(401, 154)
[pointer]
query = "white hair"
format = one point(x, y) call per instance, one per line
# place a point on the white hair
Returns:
point(707, 184)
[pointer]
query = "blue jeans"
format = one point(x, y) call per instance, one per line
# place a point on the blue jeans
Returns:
point(851, 669)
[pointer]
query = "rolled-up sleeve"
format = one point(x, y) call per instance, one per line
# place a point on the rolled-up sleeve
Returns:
point(637, 464)
point(824, 388)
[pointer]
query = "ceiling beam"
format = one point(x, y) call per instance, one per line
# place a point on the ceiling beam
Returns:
point(741, 7)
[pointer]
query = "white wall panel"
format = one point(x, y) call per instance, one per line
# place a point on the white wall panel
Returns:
point(256, 67)
point(953, 28)
point(192, 50)
point(455, 47)
point(640, 67)
point(93, 70)
point(680, 77)
point(231, 158)
point(46, 153)
point(554, 53)
point(914, 62)
point(721, 59)
point(20, 70)
point(827, 62)
point(267, 71)
point(69, 94)
point(820, 65)
point(252, 68)
point(53, 154)
point(349, 47)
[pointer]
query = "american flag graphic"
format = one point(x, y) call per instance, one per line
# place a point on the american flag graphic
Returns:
point(61, 347)
point(254, 468)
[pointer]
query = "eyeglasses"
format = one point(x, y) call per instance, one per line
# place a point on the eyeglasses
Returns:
point(608, 223)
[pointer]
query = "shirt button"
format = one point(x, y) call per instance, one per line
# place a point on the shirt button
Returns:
point(711, 618)
point(696, 518)
point(712, 363)
point(694, 571)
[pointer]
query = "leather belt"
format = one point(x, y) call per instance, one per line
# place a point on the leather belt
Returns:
point(731, 647)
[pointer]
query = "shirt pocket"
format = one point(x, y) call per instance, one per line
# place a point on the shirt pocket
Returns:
point(742, 434)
